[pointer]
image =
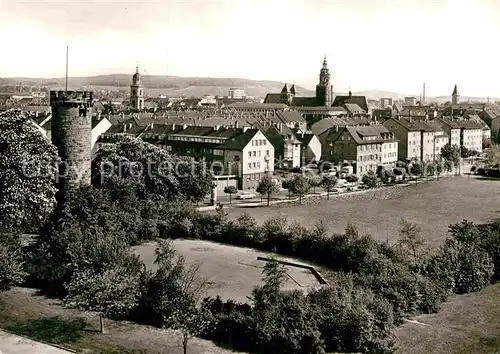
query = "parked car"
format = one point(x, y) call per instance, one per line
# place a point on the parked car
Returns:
point(245, 195)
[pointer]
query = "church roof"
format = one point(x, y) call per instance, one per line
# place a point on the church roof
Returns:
point(292, 89)
point(284, 89)
point(305, 102)
point(359, 100)
point(455, 91)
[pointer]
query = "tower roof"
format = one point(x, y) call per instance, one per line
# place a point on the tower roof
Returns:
point(292, 89)
point(455, 91)
point(284, 89)
point(325, 65)
point(136, 79)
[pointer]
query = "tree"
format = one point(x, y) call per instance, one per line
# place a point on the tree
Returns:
point(173, 293)
point(328, 182)
point(267, 186)
point(28, 167)
point(352, 178)
point(189, 319)
point(287, 184)
point(465, 153)
point(314, 181)
point(11, 261)
point(113, 292)
point(448, 166)
point(430, 168)
point(439, 168)
point(230, 190)
point(451, 153)
point(155, 173)
point(493, 156)
point(300, 185)
point(410, 240)
point(370, 179)
point(486, 142)
point(417, 169)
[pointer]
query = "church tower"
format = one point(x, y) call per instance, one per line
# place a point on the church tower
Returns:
point(324, 91)
point(137, 92)
point(455, 97)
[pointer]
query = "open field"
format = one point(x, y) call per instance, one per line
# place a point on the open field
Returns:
point(466, 324)
point(432, 205)
point(232, 272)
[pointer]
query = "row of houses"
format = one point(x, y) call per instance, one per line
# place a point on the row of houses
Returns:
point(245, 145)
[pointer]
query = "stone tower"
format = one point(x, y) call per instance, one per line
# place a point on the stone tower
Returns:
point(455, 97)
point(71, 131)
point(324, 91)
point(137, 92)
point(286, 95)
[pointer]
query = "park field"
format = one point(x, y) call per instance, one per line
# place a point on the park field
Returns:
point(231, 272)
point(432, 205)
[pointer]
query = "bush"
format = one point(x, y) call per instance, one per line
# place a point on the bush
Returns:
point(351, 178)
point(460, 267)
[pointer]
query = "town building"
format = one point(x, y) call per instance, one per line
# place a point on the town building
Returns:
point(410, 101)
point(310, 146)
point(287, 147)
point(385, 102)
point(468, 132)
point(236, 93)
point(363, 147)
point(416, 138)
point(242, 155)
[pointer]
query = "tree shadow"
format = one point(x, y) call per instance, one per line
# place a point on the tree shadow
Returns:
point(51, 330)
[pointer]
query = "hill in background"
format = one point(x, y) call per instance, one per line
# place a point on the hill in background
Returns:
point(173, 86)
point(177, 86)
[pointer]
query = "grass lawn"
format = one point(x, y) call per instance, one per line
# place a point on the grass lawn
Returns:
point(232, 272)
point(25, 313)
point(432, 205)
point(466, 324)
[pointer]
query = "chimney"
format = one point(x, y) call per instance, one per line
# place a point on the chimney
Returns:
point(236, 124)
point(151, 126)
point(129, 125)
point(336, 128)
point(124, 127)
point(217, 127)
point(245, 129)
point(173, 126)
point(184, 126)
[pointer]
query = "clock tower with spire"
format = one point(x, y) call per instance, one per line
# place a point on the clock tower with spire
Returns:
point(324, 91)
point(137, 92)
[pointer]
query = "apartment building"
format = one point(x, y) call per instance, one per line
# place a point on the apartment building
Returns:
point(409, 135)
point(310, 146)
point(251, 154)
point(467, 133)
point(365, 148)
point(243, 154)
point(286, 146)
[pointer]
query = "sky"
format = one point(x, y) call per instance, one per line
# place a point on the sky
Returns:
point(392, 45)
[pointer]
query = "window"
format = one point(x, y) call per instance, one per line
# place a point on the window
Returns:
point(249, 165)
point(259, 152)
point(254, 165)
point(254, 153)
point(258, 164)
point(249, 154)
point(267, 152)
point(265, 142)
